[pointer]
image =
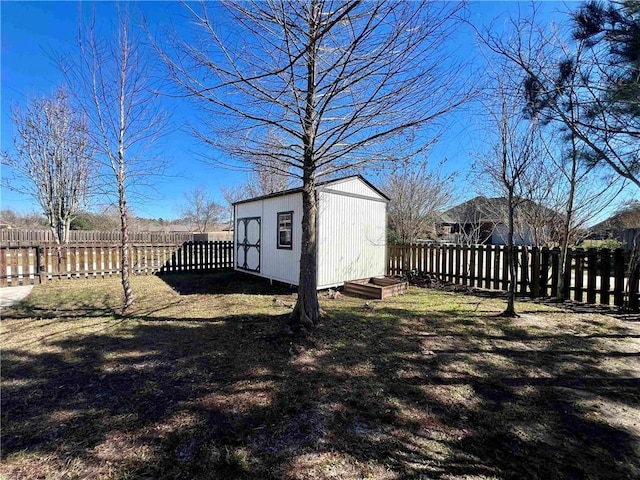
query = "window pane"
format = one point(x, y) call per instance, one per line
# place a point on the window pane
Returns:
point(284, 229)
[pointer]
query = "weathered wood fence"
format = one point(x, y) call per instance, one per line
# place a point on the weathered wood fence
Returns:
point(28, 265)
point(24, 237)
point(592, 276)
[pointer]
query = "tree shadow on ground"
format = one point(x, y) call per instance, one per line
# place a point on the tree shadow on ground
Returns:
point(385, 393)
point(226, 282)
point(138, 386)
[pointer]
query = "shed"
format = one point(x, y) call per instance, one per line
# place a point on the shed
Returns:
point(351, 233)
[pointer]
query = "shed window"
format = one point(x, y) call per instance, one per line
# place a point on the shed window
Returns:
point(284, 230)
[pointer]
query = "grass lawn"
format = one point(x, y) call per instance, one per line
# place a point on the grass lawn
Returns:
point(199, 383)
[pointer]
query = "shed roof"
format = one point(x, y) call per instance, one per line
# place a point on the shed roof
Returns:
point(319, 184)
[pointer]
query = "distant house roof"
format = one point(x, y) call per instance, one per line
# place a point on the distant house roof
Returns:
point(627, 218)
point(319, 184)
point(486, 210)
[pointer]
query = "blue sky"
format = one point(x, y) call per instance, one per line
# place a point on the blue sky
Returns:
point(33, 33)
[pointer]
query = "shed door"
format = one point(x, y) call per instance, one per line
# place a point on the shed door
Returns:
point(248, 246)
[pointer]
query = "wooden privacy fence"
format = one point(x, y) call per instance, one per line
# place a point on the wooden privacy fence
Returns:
point(27, 265)
point(592, 276)
point(19, 237)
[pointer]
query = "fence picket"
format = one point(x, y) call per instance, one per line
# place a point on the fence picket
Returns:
point(618, 272)
point(579, 275)
point(487, 265)
point(592, 273)
point(472, 266)
point(605, 276)
point(555, 269)
point(465, 267)
point(496, 265)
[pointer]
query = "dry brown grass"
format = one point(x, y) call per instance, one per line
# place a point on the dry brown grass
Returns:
point(198, 382)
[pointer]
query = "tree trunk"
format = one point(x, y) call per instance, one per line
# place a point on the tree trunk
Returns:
point(54, 231)
point(307, 310)
point(511, 259)
point(563, 290)
point(633, 302)
point(127, 299)
point(67, 227)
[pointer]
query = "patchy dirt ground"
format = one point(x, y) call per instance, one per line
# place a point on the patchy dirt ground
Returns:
point(198, 382)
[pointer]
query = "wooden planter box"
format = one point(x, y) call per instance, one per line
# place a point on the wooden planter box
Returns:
point(377, 288)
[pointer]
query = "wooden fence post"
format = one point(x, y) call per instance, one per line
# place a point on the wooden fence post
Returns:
point(555, 268)
point(605, 276)
point(472, 266)
point(482, 271)
point(535, 272)
point(618, 273)
point(505, 273)
point(579, 274)
point(404, 269)
point(544, 272)
point(592, 273)
point(466, 274)
point(497, 253)
point(487, 266)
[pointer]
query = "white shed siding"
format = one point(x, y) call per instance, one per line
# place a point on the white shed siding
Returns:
point(351, 237)
point(251, 209)
point(351, 234)
point(281, 264)
point(352, 185)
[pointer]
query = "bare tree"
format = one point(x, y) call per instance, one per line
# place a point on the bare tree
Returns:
point(111, 81)
point(417, 194)
point(342, 84)
point(509, 166)
point(53, 160)
point(200, 210)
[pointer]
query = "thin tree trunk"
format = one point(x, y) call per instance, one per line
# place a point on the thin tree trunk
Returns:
point(511, 292)
point(633, 303)
point(54, 231)
point(128, 298)
point(563, 290)
point(67, 227)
